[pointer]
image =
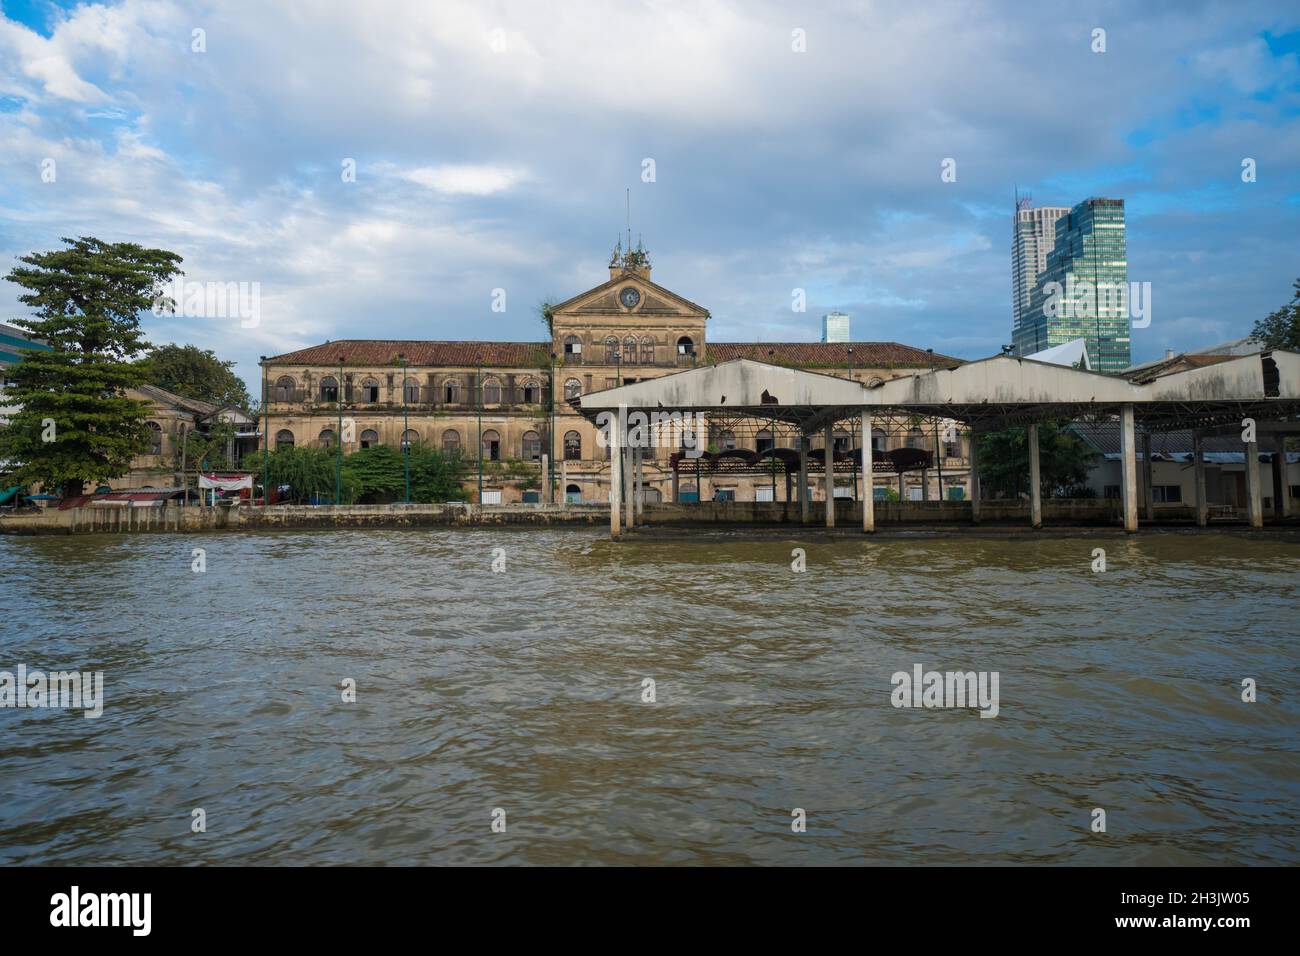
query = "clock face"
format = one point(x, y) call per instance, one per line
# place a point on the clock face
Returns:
point(629, 297)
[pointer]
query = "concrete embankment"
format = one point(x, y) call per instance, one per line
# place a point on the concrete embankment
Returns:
point(848, 514)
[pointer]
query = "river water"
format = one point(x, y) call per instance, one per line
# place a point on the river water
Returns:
point(522, 690)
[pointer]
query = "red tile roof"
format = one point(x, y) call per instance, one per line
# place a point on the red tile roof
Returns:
point(385, 352)
point(537, 354)
point(830, 354)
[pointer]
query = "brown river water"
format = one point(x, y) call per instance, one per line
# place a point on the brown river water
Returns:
point(521, 690)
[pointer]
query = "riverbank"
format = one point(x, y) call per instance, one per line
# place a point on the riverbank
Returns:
point(937, 516)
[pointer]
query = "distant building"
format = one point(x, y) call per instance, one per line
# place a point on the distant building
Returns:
point(12, 342)
point(1083, 292)
point(1032, 237)
point(835, 327)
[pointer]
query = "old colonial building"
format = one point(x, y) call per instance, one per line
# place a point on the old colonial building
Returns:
point(491, 401)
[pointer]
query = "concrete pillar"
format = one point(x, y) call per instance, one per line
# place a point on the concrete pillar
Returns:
point(629, 505)
point(615, 482)
point(902, 489)
point(677, 488)
point(1281, 485)
point(868, 491)
point(1035, 481)
point(974, 479)
point(564, 484)
point(1198, 474)
point(925, 484)
point(803, 478)
point(1148, 470)
point(639, 454)
point(830, 474)
point(1254, 494)
point(547, 488)
point(1128, 468)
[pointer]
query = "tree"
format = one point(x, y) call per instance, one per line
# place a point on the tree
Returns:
point(379, 474)
point(1281, 329)
point(196, 373)
point(1063, 461)
point(308, 472)
point(75, 424)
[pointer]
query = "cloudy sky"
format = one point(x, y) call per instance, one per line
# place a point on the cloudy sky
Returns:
point(493, 144)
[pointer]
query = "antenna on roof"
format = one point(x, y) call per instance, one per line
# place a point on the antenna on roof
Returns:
point(629, 219)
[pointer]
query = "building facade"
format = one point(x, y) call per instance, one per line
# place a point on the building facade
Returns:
point(1033, 235)
point(491, 401)
point(1083, 291)
point(835, 327)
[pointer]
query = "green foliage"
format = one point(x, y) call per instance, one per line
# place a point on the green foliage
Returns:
point(87, 301)
point(196, 373)
point(1281, 329)
point(308, 471)
point(209, 450)
point(378, 474)
point(546, 312)
point(1064, 461)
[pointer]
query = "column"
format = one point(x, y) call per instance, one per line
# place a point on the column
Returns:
point(615, 481)
point(868, 489)
point(1254, 494)
point(830, 474)
point(974, 478)
point(1128, 468)
point(547, 488)
point(1281, 485)
point(1148, 491)
point(639, 455)
point(803, 478)
point(564, 484)
point(629, 518)
point(1198, 474)
point(677, 487)
point(1035, 481)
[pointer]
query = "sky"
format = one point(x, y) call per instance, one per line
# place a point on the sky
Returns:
point(792, 148)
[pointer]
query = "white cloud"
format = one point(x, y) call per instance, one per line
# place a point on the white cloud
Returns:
point(466, 180)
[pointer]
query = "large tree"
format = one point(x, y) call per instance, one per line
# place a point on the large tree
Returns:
point(196, 373)
point(75, 423)
point(1063, 462)
point(1281, 329)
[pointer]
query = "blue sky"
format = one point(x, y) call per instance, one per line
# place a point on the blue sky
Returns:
point(494, 141)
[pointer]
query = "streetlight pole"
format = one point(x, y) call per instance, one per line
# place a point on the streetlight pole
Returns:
point(478, 405)
point(266, 440)
point(852, 426)
point(338, 439)
point(406, 444)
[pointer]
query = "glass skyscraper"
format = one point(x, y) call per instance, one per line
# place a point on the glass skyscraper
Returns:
point(835, 327)
point(1083, 292)
point(1032, 238)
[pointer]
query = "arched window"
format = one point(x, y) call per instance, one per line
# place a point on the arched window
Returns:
point(329, 389)
point(155, 438)
point(532, 393)
point(572, 494)
point(370, 390)
point(411, 391)
point(877, 441)
point(572, 389)
point(283, 391)
point(491, 392)
point(451, 391)
point(843, 444)
point(451, 441)
point(572, 349)
point(410, 437)
point(629, 351)
point(764, 441)
point(647, 351)
point(685, 347)
point(283, 439)
point(727, 440)
point(611, 350)
point(532, 446)
point(369, 438)
point(326, 439)
point(572, 446)
point(915, 438)
point(491, 445)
